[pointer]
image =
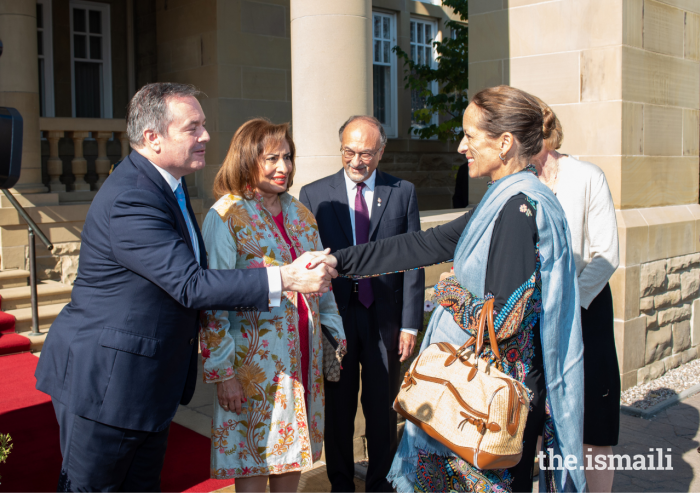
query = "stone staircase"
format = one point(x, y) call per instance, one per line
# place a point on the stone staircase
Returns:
point(16, 300)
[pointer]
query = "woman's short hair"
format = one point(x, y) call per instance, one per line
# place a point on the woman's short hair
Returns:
point(508, 109)
point(240, 173)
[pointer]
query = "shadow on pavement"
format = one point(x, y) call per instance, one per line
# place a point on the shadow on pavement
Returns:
point(675, 428)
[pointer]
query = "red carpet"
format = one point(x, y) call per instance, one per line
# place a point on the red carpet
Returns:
point(35, 461)
point(9, 341)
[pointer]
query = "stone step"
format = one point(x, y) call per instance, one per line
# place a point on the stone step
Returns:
point(47, 314)
point(48, 293)
point(13, 278)
point(37, 342)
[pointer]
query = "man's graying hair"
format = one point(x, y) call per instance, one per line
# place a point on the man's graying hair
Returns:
point(368, 119)
point(148, 109)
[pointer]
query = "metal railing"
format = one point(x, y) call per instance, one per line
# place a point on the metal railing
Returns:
point(33, 229)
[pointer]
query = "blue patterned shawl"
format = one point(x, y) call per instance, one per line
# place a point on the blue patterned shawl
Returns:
point(560, 325)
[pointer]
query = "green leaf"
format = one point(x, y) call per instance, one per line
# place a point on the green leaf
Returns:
point(259, 425)
point(262, 332)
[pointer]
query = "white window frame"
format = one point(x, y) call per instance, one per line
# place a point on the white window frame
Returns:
point(106, 54)
point(436, 37)
point(434, 2)
point(49, 108)
point(392, 128)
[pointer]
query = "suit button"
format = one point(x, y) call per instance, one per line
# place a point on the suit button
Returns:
point(192, 342)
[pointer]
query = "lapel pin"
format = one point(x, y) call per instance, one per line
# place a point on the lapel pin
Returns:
point(379, 201)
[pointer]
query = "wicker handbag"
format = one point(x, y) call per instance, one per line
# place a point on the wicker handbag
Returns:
point(465, 403)
point(332, 356)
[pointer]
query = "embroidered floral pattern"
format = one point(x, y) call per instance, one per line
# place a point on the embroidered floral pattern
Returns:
point(276, 433)
point(526, 210)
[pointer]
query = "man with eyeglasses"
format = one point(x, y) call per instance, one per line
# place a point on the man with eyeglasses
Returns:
point(382, 315)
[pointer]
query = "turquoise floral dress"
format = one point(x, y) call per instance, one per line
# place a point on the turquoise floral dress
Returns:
point(281, 427)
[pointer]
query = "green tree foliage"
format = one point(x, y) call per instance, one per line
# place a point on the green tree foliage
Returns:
point(452, 76)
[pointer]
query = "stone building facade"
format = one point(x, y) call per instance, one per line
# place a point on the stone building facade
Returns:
point(622, 75)
point(240, 53)
point(669, 308)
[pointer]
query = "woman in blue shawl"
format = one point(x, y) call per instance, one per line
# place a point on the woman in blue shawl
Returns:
point(515, 248)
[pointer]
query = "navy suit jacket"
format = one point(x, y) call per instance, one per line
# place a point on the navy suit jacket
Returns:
point(123, 352)
point(398, 297)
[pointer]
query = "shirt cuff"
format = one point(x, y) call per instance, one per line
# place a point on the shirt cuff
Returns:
point(274, 282)
point(413, 332)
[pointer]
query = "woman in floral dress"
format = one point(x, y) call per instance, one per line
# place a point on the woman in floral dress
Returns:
point(267, 366)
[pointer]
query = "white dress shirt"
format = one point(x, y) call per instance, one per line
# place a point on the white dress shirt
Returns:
point(368, 194)
point(274, 278)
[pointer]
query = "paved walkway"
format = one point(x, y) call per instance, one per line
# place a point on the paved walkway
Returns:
point(677, 428)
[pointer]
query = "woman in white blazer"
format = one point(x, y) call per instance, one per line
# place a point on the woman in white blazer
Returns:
point(584, 195)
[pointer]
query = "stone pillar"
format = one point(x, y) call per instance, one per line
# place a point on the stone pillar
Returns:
point(102, 164)
point(54, 164)
point(19, 84)
point(627, 92)
point(79, 163)
point(331, 79)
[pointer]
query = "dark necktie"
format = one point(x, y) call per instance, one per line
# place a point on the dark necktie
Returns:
point(365, 293)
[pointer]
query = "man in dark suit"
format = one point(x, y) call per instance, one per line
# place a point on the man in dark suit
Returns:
point(121, 356)
point(381, 315)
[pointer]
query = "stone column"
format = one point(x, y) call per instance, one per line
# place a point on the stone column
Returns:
point(331, 79)
point(19, 84)
point(79, 163)
point(102, 164)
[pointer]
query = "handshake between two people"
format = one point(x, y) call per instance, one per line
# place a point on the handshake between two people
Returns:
point(312, 272)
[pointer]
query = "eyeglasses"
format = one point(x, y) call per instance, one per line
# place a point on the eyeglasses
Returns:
point(365, 157)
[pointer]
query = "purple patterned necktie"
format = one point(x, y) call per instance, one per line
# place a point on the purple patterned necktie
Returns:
point(365, 294)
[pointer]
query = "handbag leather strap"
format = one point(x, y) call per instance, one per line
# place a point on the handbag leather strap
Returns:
point(484, 323)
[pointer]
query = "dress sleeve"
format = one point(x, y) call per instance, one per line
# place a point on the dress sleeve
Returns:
point(217, 340)
point(511, 275)
point(603, 242)
point(417, 249)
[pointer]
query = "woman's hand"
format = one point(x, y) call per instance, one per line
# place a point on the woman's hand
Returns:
point(231, 395)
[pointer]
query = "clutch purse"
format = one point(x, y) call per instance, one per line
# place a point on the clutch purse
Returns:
point(332, 355)
point(465, 403)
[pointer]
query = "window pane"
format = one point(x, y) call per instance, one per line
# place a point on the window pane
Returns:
point(95, 48)
point(377, 26)
point(88, 84)
point(387, 28)
point(39, 15)
point(95, 22)
point(417, 103)
point(377, 51)
point(428, 33)
point(420, 32)
point(413, 32)
point(419, 61)
point(387, 52)
point(382, 93)
point(413, 53)
point(79, 46)
point(428, 56)
point(79, 21)
point(40, 42)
